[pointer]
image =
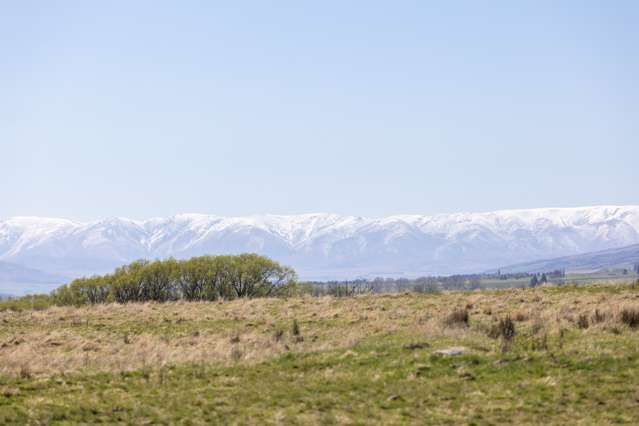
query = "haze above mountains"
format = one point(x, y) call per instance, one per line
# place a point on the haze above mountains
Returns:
point(318, 246)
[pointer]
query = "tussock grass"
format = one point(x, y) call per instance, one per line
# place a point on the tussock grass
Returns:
point(457, 318)
point(630, 317)
point(583, 322)
point(367, 359)
point(504, 329)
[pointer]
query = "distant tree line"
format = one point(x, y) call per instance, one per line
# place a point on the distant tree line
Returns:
point(197, 279)
point(511, 275)
point(557, 273)
point(337, 288)
point(393, 285)
point(429, 284)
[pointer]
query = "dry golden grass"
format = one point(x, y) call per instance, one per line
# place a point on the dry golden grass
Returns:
point(520, 357)
point(112, 338)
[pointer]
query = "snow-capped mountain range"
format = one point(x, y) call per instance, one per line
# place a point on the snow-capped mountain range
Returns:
point(324, 246)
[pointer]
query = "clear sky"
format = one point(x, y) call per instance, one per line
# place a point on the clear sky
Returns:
point(152, 108)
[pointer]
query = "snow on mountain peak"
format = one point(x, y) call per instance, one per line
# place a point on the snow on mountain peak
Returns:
point(323, 245)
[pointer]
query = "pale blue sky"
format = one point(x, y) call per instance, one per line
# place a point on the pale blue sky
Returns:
point(150, 108)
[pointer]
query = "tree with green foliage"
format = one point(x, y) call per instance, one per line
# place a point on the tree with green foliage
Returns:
point(199, 278)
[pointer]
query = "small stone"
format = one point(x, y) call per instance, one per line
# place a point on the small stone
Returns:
point(458, 350)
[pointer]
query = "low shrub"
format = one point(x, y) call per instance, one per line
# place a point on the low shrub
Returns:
point(35, 302)
point(598, 317)
point(296, 332)
point(504, 329)
point(457, 318)
point(630, 317)
point(582, 322)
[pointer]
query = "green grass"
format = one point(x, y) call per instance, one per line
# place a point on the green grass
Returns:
point(376, 382)
point(389, 374)
point(615, 276)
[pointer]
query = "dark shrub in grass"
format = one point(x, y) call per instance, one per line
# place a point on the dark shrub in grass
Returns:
point(504, 329)
point(582, 322)
point(630, 317)
point(296, 332)
point(457, 318)
point(295, 329)
point(598, 317)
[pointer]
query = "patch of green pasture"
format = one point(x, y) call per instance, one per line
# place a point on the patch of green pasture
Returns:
point(380, 380)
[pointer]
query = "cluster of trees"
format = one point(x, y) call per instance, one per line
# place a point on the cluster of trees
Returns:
point(557, 273)
point(535, 281)
point(510, 275)
point(636, 268)
point(196, 279)
point(558, 276)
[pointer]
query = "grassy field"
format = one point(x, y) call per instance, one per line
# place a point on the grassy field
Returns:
point(615, 276)
point(574, 359)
